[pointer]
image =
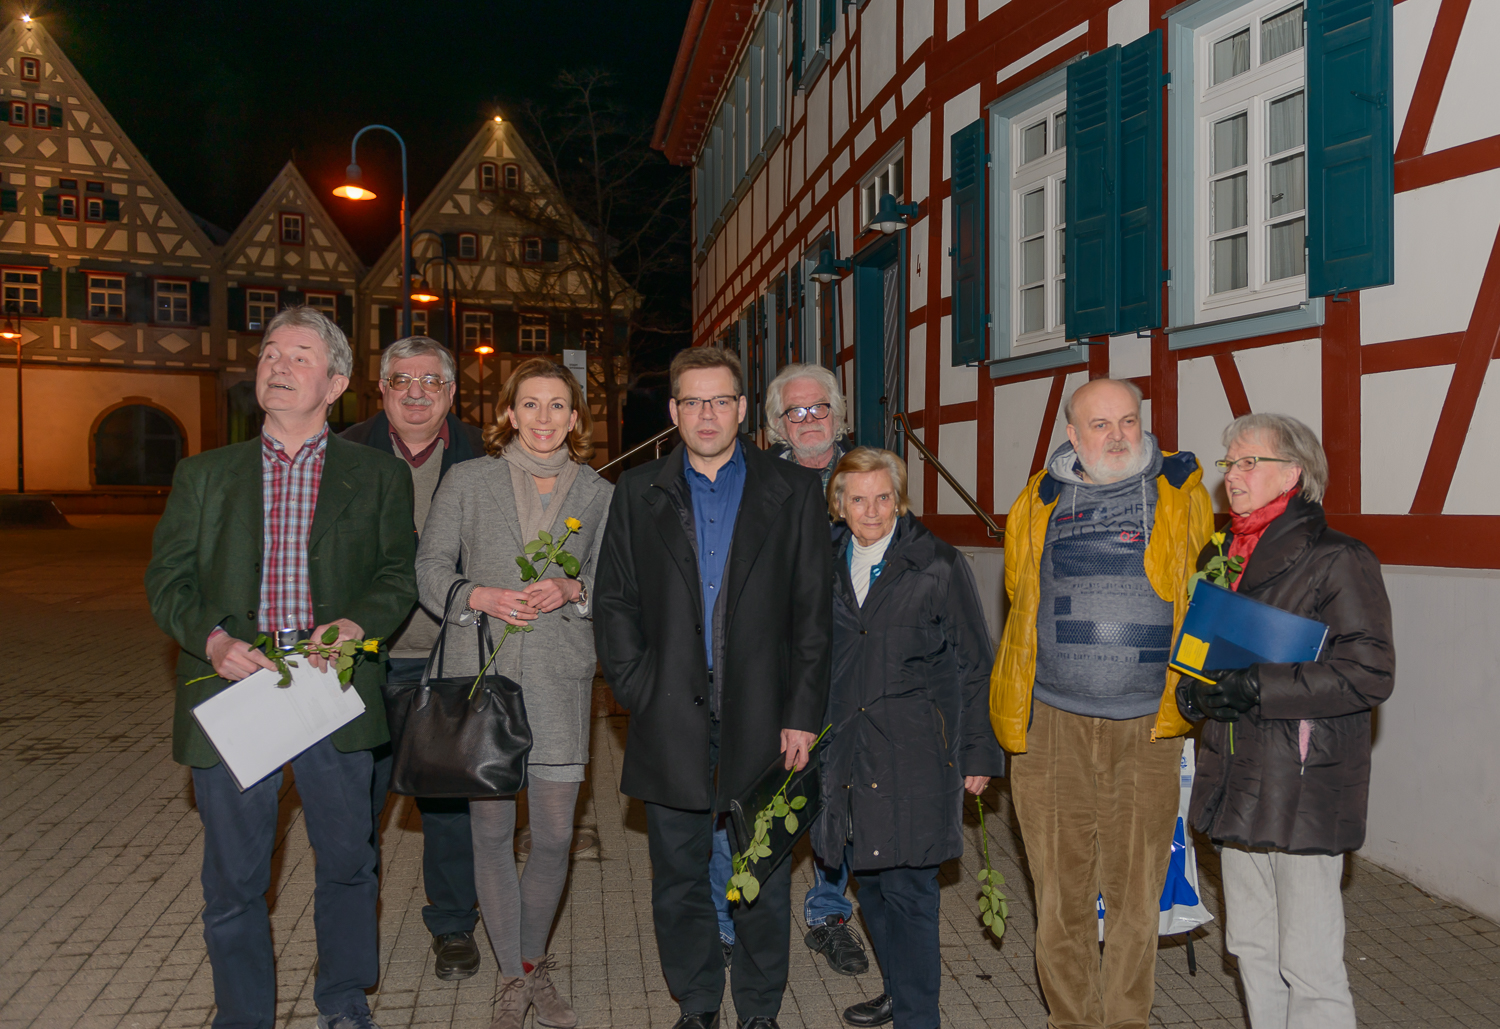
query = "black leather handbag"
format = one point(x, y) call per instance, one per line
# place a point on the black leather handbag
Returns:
point(447, 744)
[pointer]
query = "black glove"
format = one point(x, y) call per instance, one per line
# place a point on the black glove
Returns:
point(1207, 698)
point(1239, 688)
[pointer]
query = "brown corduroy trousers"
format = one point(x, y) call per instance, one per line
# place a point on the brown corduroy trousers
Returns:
point(1097, 802)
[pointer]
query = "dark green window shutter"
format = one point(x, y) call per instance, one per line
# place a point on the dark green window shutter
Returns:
point(387, 326)
point(1351, 172)
point(289, 298)
point(137, 298)
point(799, 41)
point(8, 201)
point(967, 254)
point(549, 249)
point(199, 303)
point(437, 323)
point(55, 118)
point(236, 308)
point(49, 205)
point(1140, 184)
point(345, 314)
point(1093, 201)
point(826, 9)
point(52, 288)
point(507, 329)
point(75, 286)
point(450, 244)
point(111, 209)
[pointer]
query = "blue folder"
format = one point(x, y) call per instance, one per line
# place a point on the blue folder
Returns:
point(1226, 630)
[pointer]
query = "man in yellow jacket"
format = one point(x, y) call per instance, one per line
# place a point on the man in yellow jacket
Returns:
point(1098, 551)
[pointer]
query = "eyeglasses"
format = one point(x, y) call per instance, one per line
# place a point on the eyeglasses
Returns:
point(692, 405)
point(1246, 464)
point(430, 383)
point(800, 414)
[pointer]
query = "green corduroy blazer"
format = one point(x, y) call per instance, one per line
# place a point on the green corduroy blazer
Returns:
point(205, 570)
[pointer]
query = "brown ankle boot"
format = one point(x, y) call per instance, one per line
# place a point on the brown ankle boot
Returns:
point(551, 1010)
point(512, 1002)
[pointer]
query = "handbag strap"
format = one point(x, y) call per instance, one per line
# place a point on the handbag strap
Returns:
point(435, 655)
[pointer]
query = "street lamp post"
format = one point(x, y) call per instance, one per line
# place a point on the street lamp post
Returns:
point(12, 330)
point(422, 294)
point(481, 352)
point(354, 189)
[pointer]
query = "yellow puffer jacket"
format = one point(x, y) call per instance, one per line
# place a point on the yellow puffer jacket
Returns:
point(1184, 521)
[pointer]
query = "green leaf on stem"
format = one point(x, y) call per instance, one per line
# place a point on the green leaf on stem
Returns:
point(544, 536)
point(528, 573)
point(533, 546)
point(569, 564)
point(330, 635)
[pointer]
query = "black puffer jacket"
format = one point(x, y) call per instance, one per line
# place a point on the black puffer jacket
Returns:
point(908, 705)
point(1263, 794)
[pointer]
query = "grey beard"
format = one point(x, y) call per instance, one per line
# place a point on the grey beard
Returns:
point(1140, 458)
point(808, 452)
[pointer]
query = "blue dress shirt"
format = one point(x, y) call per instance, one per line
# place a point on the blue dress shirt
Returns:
point(716, 504)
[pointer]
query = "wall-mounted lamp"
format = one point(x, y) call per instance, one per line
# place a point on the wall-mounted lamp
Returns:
point(827, 268)
point(890, 216)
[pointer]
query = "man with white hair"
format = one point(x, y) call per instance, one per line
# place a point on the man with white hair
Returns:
point(1099, 548)
point(805, 418)
point(418, 380)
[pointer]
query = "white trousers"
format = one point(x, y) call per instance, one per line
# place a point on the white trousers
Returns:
point(1284, 920)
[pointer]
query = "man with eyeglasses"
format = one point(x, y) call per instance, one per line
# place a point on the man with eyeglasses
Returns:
point(805, 418)
point(1099, 548)
point(417, 383)
point(713, 623)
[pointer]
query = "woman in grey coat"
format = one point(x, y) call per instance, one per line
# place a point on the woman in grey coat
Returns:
point(482, 517)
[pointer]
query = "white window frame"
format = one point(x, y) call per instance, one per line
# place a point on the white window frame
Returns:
point(31, 69)
point(494, 175)
point(287, 219)
point(1251, 93)
point(109, 287)
point(172, 291)
point(418, 322)
point(534, 334)
point(509, 171)
point(815, 54)
point(1047, 173)
point(473, 240)
point(888, 175)
point(526, 250)
point(22, 287)
point(327, 303)
point(478, 328)
point(261, 305)
point(67, 207)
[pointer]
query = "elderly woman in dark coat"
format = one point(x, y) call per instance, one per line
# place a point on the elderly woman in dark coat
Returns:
point(911, 728)
point(1284, 767)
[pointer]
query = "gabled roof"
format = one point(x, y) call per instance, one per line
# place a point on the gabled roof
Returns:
point(256, 248)
point(90, 142)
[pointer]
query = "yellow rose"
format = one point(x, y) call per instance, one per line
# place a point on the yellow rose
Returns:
point(733, 894)
point(1217, 539)
point(370, 646)
point(573, 523)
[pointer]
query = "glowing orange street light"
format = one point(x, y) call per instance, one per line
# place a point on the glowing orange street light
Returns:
point(352, 189)
point(481, 352)
point(423, 294)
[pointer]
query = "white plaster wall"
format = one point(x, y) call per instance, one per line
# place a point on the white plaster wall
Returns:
point(916, 368)
point(918, 265)
point(1467, 110)
point(1202, 413)
point(915, 475)
point(1129, 20)
point(1435, 768)
point(1413, 30)
point(817, 123)
point(918, 167)
point(989, 7)
point(958, 112)
point(1284, 379)
point(916, 25)
point(1398, 413)
point(1019, 407)
point(1444, 235)
point(955, 17)
point(988, 566)
point(1060, 423)
point(958, 447)
point(1129, 357)
point(955, 385)
point(1476, 481)
point(877, 48)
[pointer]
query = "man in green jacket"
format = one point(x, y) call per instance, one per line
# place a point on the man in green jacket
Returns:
point(286, 535)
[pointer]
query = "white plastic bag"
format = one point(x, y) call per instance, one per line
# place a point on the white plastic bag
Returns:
point(1181, 904)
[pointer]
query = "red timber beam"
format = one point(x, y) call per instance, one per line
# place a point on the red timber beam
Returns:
point(1446, 31)
point(1234, 386)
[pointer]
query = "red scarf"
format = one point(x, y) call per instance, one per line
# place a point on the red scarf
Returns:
point(1249, 528)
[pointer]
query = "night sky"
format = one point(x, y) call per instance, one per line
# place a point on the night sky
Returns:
point(219, 94)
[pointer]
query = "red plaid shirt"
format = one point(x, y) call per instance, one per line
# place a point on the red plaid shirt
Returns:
point(289, 495)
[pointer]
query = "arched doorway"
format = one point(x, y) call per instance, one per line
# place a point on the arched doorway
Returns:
point(136, 445)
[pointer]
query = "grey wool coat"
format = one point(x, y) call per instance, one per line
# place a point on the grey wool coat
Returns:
point(473, 532)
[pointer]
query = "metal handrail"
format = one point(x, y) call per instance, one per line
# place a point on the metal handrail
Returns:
point(994, 530)
point(653, 441)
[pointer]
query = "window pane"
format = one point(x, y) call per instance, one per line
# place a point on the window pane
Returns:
point(1229, 203)
point(898, 178)
point(1033, 309)
point(1281, 35)
point(1033, 212)
point(1287, 185)
point(1033, 142)
point(1060, 131)
point(1061, 236)
point(1287, 123)
point(1287, 249)
point(1230, 264)
point(1231, 56)
point(1062, 201)
point(1231, 140)
point(1033, 260)
point(1062, 302)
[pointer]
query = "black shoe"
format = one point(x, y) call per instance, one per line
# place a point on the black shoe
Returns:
point(698, 1020)
point(758, 1022)
point(457, 956)
point(871, 1012)
point(836, 940)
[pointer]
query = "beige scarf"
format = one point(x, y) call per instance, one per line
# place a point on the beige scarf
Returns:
point(525, 469)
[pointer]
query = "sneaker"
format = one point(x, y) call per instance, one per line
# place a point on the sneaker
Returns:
point(551, 1009)
point(837, 941)
point(359, 1019)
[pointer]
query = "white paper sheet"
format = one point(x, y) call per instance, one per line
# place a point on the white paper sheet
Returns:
point(257, 726)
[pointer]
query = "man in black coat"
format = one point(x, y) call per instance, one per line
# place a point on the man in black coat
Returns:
point(418, 379)
point(713, 626)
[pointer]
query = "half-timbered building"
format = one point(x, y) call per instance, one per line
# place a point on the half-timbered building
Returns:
point(970, 207)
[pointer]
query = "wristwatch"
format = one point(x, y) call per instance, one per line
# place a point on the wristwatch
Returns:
point(583, 594)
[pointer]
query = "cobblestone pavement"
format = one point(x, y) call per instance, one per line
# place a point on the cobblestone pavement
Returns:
point(100, 850)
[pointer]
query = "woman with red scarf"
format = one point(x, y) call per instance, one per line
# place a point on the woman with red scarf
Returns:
point(1284, 763)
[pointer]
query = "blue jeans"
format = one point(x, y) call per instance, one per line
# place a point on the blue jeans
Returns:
point(825, 898)
point(239, 834)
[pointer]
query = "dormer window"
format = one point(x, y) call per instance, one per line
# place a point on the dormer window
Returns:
point(468, 246)
point(291, 229)
point(31, 69)
point(512, 176)
point(489, 176)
